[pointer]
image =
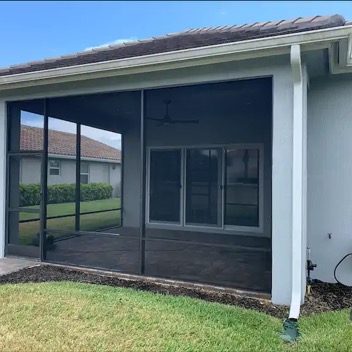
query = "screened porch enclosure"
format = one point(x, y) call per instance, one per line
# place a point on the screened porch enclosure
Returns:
point(194, 198)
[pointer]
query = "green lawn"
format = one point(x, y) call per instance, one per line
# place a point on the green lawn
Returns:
point(82, 317)
point(89, 222)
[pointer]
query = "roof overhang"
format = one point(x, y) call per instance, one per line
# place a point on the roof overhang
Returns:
point(337, 40)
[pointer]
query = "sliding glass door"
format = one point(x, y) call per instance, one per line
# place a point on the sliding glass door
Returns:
point(241, 187)
point(222, 187)
point(203, 181)
point(165, 186)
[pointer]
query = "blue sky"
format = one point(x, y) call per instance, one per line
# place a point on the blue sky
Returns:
point(37, 30)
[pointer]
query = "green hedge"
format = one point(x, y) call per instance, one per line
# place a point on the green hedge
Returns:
point(65, 193)
point(95, 191)
point(29, 194)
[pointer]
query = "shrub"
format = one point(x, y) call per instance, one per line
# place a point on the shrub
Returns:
point(64, 193)
point(96, 191)
point(29, 194)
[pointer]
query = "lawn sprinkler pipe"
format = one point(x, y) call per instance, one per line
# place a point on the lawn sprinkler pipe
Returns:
point(310, 268)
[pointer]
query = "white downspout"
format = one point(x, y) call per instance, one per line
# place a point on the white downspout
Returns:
point(297, 182)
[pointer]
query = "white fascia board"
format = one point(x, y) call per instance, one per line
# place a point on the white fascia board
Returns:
point(183, 58)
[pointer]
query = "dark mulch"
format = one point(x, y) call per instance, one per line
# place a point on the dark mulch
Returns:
point(325, 297)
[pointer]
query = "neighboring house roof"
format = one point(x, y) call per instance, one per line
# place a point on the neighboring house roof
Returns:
point(63, 143)
point(193, 38)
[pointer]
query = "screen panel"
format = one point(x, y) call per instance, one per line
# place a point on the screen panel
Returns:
point(165, 186)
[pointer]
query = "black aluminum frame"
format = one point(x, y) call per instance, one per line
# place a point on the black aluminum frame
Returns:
point(44, 184)
point(78, 177)
point(142, 188)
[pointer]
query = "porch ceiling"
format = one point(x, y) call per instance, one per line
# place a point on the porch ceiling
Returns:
point(119, 111)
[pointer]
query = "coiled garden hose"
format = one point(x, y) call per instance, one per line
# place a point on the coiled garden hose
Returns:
point(337, 265)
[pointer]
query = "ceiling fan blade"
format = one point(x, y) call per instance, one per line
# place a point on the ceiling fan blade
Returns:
point(185, 121)
point(153, 119)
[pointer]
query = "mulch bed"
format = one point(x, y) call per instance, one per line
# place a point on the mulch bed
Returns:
point(325, 297)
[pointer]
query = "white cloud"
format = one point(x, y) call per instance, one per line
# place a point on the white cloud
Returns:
point(114, 42)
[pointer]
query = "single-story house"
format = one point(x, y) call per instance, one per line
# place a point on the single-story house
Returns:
point(100, 163)
point(236, 146)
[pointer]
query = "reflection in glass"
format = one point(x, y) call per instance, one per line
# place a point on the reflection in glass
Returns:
point(32, 131)
point(54, 168)
point(26, 134)
point(84, 176)
point(24, 180)
point(165, 185)
point(242, 187)
point(25, 228)
point(61, 191)
point(100, 178)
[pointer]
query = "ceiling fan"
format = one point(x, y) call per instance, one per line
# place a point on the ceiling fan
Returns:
point(167, 120)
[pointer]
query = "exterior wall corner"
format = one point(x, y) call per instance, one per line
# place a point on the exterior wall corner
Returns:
point(282, 186)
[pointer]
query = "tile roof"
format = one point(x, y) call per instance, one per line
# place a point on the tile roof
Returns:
point(193, 38)
point(63, 143)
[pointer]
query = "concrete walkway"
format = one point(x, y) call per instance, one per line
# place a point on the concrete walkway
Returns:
point(9, 265)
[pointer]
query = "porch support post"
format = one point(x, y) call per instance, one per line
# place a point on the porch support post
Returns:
point(142, 187)
point(3, 143)
point(299, 177)
point(44, 185)
point(78, 178)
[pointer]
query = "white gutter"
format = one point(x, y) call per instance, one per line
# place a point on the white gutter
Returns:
point(340, 56)
point(297, 182)
point(183, 58)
